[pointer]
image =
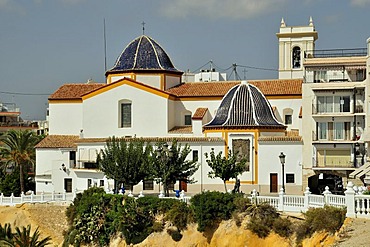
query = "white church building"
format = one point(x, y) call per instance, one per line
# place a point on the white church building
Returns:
point(144, 97)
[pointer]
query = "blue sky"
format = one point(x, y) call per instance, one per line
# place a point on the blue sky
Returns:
point(47, 43)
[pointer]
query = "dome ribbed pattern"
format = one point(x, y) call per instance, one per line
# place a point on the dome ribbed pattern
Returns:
point(244, 105)
point(143, 53)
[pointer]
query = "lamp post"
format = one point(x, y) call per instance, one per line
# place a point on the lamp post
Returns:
point(282, 161)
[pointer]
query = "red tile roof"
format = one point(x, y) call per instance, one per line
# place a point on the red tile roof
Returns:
point(213, 89)
point(199, 113)
point(75, 91)
point(58, 141)
point(181, 130)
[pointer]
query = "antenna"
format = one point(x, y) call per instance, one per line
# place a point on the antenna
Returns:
point(105, 49)
point(236, 76)
point(245, 73)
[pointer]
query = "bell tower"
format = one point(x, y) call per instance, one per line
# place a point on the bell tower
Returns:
point(294, 44)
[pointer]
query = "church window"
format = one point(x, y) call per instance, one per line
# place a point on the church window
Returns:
point(288, 116)
point(296, 57)
point(125, 114)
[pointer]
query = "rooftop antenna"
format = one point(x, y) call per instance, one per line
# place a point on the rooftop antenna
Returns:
point(105, 49)
point(236, 76)
point(245, 73)
point(143, 23)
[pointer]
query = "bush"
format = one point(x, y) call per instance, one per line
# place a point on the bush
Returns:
point(262, 217)
point(259, 228)
point(282, 226)
point(180, 215)
point(241, 203)
point(328, 219)
point(175, 235)
point(212, 207)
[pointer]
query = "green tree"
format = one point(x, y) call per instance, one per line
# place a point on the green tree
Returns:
point(170, 164)
point(125, 162)
point(18, 149)
point(224, 167)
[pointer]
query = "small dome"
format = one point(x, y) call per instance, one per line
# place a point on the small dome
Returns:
point(143, 53)
point(244, 105)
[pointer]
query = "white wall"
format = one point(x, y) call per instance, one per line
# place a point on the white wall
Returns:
point(65, 118)
point(151, 80)
point(269, 162)
point(101, 113)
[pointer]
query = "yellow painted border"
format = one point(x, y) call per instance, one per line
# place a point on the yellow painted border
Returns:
point(63, 101)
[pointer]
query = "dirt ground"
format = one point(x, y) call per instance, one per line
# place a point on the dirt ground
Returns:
point(50, 218)
point(355, 233)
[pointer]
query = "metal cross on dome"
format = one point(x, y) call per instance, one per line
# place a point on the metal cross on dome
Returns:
point(143, 23)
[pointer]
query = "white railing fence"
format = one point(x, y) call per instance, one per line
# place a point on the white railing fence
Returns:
point(32, 198)
point(357, 204)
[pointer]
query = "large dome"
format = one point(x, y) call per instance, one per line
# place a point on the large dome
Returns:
point(244, 105)
point(143, 54)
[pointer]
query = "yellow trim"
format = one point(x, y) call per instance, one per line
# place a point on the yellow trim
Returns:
point(130, 83)
point(64, 101)
point(241, 182)
point(162, 82)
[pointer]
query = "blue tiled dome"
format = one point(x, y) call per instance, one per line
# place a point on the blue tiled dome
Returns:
point(244, 105)
point(143, 54)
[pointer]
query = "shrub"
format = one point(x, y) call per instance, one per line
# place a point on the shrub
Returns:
point(241, 203)
point(262, 217)
point(282, 226)
point(175, 234)
point(179, 215)
point(328, 218)
point(212, 207)
point(157, 226)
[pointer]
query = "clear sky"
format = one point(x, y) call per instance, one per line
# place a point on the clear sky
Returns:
point(47, 43)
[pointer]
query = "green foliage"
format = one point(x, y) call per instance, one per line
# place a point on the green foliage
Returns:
point(125, 162)
point(18, 150)
point(22, 237)
point(262, 217)
point(175, 235)
point(212, 207)
point(242, 203)
point(224, 167)
point(171, 165)
point(9, 183)
point(283, 227)
point(179, 215)
point(328, 218)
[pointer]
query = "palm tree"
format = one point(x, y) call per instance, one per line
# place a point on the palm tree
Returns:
point(18, 149)
point(22, 237)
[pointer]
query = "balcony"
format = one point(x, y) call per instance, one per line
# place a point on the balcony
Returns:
point(356, 52)
point(334, 162)
point(347, 138)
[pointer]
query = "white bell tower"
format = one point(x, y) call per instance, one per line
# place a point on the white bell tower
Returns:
point(294, 43)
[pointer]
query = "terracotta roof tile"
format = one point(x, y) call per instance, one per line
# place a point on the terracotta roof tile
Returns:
point(219, 89)
point(58, 141)
point(158, 139)
point(280, 139)
point(181, 130)
point(199, 113)
point(75, 91)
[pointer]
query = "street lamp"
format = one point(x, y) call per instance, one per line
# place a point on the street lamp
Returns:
point(282, 161)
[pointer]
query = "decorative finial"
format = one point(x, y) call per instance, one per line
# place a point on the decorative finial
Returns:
point(311, 22)
point(282, 23)
point(143, 23)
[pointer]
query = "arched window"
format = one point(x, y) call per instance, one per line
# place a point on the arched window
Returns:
point(296, 57)
point(125, 113)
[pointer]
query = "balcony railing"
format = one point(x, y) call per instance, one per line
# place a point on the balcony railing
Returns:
point(356, 52)
point(338, 162)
